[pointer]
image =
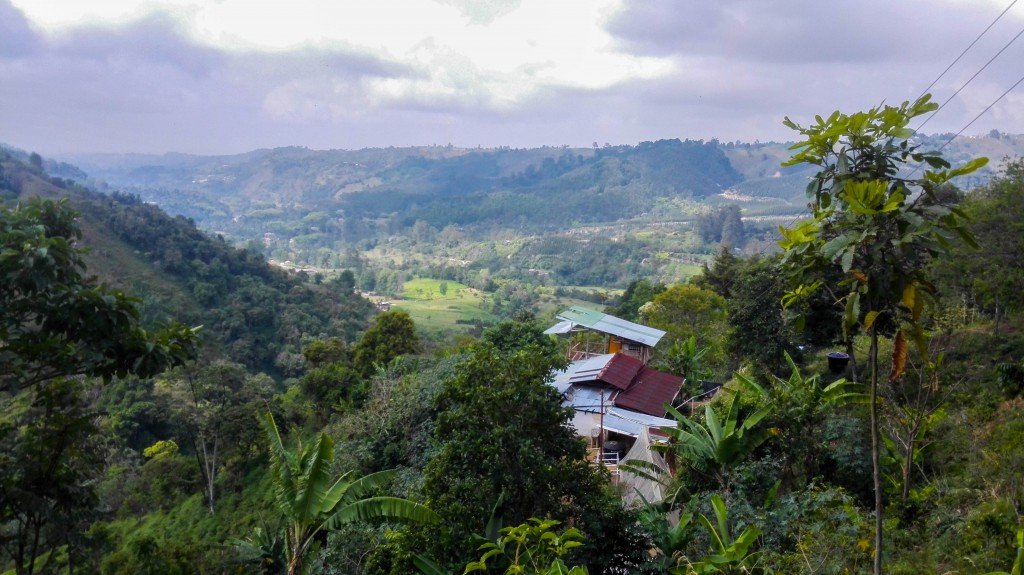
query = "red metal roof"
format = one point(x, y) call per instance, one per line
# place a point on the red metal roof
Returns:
point(620, 371)
point(650, 391)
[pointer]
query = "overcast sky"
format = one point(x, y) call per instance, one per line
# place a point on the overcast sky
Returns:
point(226, 76)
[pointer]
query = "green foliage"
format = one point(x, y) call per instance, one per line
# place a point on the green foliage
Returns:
point(880, 228)
point(252, 313)
point(510, 336)
point(638, 292)
point(392, 334)
point(55, 321)
point(723, 225)
point(685, 310)
point(211, 407)
point(311, 501)
point(876, 225)
point(501, 434)
point(720, 276)
point(50, 456)
point(803, 410)
point(991, 276)
point(728, 554)
point(715, 447)
point(1018, 563)
point(330, 350)
point(532, 548)
point(686, 360)
point(760, 334)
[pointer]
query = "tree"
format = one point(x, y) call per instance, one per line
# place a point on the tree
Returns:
point(502, 435)
point(760, 333)
point(880, 227)
point(391, 335)
point(713, 448)
point(56, 322)
point(311, 502)
point(683, 311)
point(514, 335)
point(213, 406)
point(638, 292)
point(532, 549)
point(720, 275)
point(51, 458)
point(993, 276)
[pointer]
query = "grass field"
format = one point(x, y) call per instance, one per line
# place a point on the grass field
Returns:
point(437, 314)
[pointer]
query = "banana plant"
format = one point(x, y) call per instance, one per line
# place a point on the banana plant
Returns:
point(312, 502)
point(728, 554)
point(716, 446)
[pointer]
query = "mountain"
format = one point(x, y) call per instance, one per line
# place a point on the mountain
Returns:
point(252, 313)
point(528, 189)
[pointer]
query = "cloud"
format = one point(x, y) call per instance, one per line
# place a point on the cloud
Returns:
point(17, 39)
point(516, 72)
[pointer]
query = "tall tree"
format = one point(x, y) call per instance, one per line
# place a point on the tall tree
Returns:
point(638, 292)
point(720, 275)
point(683, 311)
point(760, 333)
point(55, 321)
point(880, 226)
point(502, 436)
point(391, 335)
point(993, 276)
point(51, 459)
point(212, 406)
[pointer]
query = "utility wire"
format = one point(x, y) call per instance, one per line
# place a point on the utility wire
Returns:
point(987, 108)
point(982, 69)
point(971, 45)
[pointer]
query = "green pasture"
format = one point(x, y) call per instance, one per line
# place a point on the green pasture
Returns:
point(436, 314)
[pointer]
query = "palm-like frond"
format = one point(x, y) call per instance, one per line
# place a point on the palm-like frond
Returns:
point(311, 501)
point(717, 444)
point(646, 470)
point(382, 508)
point(281, 465)
point(314, 481)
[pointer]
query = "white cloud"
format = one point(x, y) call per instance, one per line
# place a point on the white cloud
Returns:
point(231, 75)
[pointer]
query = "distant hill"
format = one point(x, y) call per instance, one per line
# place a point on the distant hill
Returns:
point(516, 186)
point(429, 183)
point(252, 313)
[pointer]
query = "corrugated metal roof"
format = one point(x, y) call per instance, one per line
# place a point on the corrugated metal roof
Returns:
point(588, 399)
point(620, 371)
point(634, 385)
point(632, 423)
point(559, 328)
point(605, 323)
point(614, 369)
point(580, 371)
point(650, 391)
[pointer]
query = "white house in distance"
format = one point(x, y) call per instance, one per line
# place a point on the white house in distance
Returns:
point(619, 401)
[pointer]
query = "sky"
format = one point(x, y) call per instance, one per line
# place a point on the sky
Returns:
point(230, 76)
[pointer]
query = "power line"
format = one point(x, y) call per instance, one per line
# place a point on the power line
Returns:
point(987, 108)
point(982, 69)
point(971, 45)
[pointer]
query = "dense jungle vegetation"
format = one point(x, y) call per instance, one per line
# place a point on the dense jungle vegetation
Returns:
point(299, 430)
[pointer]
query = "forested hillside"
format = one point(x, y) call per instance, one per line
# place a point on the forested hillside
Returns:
point(251, 313)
